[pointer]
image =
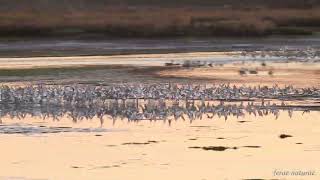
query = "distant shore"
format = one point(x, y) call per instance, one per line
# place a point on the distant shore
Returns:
point(158, 22)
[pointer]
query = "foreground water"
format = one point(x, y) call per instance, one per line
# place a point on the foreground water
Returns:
point(189, 139)
point(198, 149)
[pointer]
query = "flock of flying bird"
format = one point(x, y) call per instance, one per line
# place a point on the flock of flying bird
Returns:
point(150, 102)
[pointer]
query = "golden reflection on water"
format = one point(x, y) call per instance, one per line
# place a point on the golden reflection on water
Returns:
point(155, 150)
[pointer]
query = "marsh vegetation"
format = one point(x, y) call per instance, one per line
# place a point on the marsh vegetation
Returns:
point(160, 18)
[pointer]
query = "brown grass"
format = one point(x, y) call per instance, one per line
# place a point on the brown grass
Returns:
point(154, 21)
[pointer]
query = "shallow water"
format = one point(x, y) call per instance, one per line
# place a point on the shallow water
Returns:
point(199, 149)
point(141, 138)
point(17, 119)
point(139, 52)
point(195, 44)
point(74, 47)
point(167, 139)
